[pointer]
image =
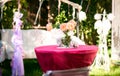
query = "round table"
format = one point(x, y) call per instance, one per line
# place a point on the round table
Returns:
point(52, 57)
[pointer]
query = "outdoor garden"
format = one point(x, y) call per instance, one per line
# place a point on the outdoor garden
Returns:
point(37, 14)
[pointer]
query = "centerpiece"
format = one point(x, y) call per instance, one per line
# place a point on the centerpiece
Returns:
point(65, 34)
point(67, 29)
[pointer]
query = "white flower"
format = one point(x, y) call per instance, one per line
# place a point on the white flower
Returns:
point(99, 31)
point(82, 16)
point(102, 26)
point(97, 16)
point(75, 41)
point(110, 16)
point(106, 26)
point(70, 33)
point(98, 24)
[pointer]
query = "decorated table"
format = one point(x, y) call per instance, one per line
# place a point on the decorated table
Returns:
point(53, 58)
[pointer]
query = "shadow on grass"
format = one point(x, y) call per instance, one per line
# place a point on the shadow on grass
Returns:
point(31, 67)
point(5, 67)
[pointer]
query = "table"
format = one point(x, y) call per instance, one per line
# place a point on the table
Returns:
point(53, 58)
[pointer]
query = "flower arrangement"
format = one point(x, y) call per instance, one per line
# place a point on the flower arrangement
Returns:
point(64, 31)
point(68, 31)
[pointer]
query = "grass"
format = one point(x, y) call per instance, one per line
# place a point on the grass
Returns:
point(114, 71)
point(32, 68)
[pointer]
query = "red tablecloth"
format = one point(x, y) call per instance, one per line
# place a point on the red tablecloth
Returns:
point(55, 58)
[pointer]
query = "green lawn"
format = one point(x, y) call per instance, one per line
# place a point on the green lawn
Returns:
point(114, 71)
point(32, 69)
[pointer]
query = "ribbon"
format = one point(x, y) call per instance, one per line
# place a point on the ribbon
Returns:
point(17, 60)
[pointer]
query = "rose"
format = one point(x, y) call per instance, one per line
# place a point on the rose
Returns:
point(49, 27)
point(63, 26)
point(67, 30)
point(70, 26)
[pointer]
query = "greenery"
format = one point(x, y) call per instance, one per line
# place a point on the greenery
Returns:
point(66, 40)
point(32, 68)
point(29, 9)
point(115, 71)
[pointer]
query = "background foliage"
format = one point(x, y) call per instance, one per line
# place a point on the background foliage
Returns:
point(30, 7)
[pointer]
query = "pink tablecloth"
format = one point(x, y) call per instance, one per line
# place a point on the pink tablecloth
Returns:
point(55, 58)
